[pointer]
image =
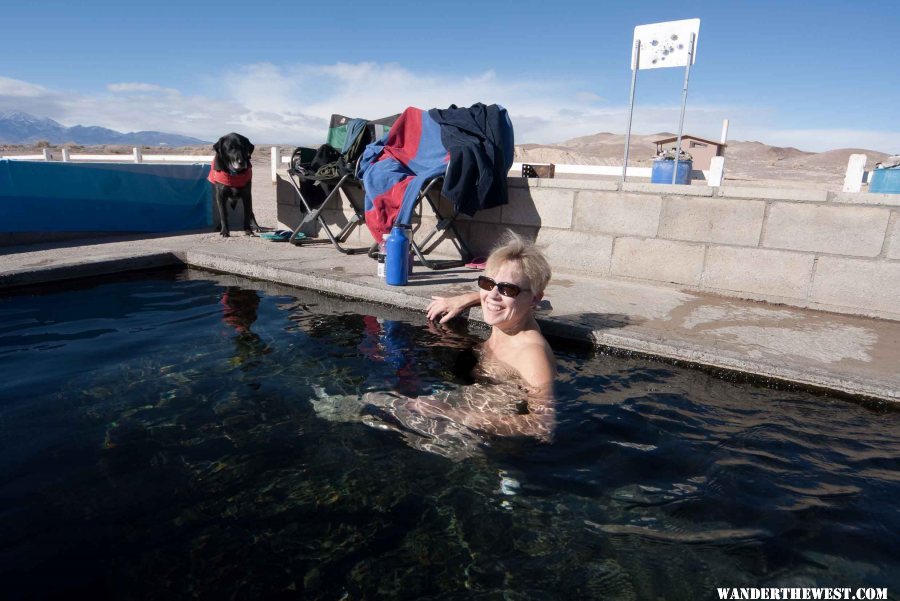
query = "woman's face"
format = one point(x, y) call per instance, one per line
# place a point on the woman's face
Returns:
point(503, 311)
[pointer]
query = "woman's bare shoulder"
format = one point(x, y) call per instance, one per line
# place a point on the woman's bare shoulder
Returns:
point(535, 361)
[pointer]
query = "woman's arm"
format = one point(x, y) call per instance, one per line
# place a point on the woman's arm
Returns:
point(446, 308)
point(534, 416)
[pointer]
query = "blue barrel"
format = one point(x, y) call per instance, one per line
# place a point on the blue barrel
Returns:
point(396, 260)
point(885, 181)
point(662, 172)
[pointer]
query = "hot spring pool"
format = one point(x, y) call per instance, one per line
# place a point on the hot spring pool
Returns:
point(188, 435)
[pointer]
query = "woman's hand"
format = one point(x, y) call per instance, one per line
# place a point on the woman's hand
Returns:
point(443, 309)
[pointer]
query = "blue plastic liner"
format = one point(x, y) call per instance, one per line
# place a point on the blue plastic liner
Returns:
point(106, 197)
point(885, 181)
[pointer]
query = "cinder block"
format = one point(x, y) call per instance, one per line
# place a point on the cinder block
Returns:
point(774, 193)
point(720, 220)
point(840, 230)
point(856, 283)
point(443, 244)
point(482, 237)
point(893, 249)
point(866, 198)
point(680, 190)
point(444, 205)
point(576, 184)
point(579, 251)
point(659, 260)
point(617, 213)
point(285, 193)
point(539, 207)
point(759, 271)
point(484, 216)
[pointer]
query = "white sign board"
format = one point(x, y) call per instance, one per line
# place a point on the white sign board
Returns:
point(665, 44)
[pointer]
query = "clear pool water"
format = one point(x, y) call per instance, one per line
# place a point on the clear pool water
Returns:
point(196, 436)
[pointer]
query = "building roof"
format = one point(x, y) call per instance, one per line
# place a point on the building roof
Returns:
point(686, 136)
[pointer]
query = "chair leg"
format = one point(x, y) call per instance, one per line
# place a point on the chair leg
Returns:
point(443, 223)
point(315, 215)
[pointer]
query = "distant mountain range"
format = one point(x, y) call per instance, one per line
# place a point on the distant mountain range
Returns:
point(22, 128)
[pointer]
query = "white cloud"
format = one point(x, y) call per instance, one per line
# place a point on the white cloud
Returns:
point(136, 87)
point(291, 104)
point(20, 89)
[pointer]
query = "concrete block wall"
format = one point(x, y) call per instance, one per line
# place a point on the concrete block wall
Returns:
point(808, 248)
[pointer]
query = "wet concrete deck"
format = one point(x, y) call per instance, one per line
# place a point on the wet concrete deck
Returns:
point(846, 354)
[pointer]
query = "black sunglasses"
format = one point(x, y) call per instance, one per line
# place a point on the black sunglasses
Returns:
point(504, 288)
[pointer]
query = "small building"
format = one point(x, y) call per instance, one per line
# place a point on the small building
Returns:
point(702, 151)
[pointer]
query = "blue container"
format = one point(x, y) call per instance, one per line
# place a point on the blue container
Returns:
point(663, 169)
point(396, 260)
point(885, 181)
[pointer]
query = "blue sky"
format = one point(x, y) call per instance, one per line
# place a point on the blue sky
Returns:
point(815, 75)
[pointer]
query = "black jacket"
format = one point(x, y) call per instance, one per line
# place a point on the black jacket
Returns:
point(481, 145)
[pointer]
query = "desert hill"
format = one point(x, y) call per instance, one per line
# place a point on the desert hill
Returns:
point(744, 161)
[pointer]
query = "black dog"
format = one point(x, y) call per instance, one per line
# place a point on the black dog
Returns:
point(231, 175)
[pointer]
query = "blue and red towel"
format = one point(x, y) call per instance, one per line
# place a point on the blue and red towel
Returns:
point(394, 169)
point(471, 147)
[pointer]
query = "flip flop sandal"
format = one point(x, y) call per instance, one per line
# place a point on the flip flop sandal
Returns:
point(477, 263)
point(279, 235)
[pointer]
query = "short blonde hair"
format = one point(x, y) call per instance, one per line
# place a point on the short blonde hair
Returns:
point(530, 260)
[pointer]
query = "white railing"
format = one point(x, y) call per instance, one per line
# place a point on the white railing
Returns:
point(136, 156)
point(856, 167)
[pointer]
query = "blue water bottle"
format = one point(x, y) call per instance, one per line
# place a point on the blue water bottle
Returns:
point(396, 261)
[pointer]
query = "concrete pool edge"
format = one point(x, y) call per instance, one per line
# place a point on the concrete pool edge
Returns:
point(863, 388)
point(77, 269)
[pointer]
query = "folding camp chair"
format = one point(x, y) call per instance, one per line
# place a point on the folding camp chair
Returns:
point(403, 172)
point(350, 136)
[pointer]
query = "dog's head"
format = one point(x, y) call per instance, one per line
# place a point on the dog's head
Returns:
point(233, 153)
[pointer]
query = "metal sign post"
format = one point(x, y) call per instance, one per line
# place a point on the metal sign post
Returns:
point(634, 69)
point(687, 76)
point(656, 46)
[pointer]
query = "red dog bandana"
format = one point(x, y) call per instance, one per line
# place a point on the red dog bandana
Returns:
point(238, 180)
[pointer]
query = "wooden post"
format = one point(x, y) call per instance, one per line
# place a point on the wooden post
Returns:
point(138, 158)
point(856, 168)
point(276, 163)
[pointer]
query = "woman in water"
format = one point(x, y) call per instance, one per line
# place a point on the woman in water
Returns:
point(516, 354)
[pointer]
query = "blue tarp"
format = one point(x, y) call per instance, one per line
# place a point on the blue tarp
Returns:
point(885, 181)
point(108, 197)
